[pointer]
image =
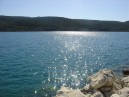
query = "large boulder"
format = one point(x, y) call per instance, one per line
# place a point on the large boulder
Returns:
point(102, 78)
point(67, 92)
point(125, 81)
point(124, 92)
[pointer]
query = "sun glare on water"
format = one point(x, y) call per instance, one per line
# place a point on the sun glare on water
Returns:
point(71, 41)
point(70, 68)
point(77, 33)
point(73, 33)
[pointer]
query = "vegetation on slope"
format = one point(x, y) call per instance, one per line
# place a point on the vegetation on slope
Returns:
point(17, 23)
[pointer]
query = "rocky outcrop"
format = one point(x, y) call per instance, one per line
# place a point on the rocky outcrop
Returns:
point(102, 84)
point(123, 92)
point(115, 95)
point(67, 92)
point(102, 78)
point(97, 94)
point(125, 81)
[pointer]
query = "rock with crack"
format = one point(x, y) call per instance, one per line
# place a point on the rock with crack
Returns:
point(88, 89)
point(117, 85)
point(106, 91)
point(102, 78)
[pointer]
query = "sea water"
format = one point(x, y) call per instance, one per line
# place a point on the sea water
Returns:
point(37, 64)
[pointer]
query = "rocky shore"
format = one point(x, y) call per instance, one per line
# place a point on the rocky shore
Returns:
point(102, 84)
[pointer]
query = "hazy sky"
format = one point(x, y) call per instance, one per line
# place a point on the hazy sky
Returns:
point(82, 9)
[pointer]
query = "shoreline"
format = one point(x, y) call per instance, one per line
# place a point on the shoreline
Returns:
point(104, 83)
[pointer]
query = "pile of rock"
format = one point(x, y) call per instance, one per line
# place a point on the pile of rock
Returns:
point(102, 84)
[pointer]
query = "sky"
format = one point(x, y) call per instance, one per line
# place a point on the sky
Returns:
point(116, 10)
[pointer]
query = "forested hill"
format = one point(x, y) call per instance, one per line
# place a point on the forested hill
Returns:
point(17, 23)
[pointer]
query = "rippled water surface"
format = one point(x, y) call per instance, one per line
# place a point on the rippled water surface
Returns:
point(36, 64)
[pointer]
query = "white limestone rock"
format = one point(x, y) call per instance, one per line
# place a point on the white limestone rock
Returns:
point(125, 81)
point(97, 94)
point(117, 85)
point(67, 92)
point(88, 89)
point(102, 78)
point(115, 95)
point(123, 92)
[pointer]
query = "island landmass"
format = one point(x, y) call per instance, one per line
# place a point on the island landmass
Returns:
point(20, 23)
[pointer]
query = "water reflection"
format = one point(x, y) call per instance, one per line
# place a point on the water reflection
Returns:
point(76, 33)
point(70, 67)
point(45, 61)
point(72, 57)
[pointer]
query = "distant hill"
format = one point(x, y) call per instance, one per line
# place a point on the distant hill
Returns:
point(18, 23)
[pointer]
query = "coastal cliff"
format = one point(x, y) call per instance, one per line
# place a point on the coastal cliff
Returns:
point(102, 84)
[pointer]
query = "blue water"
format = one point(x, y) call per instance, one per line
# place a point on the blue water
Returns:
point(36, 64)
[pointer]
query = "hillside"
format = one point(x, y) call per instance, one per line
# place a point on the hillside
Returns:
point(17, 23)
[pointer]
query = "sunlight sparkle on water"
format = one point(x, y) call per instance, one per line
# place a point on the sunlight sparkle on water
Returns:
point(76, 33)
point(35, 91)
point(69, 67)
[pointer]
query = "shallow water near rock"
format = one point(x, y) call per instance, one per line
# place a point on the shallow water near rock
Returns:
point(36, 64)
